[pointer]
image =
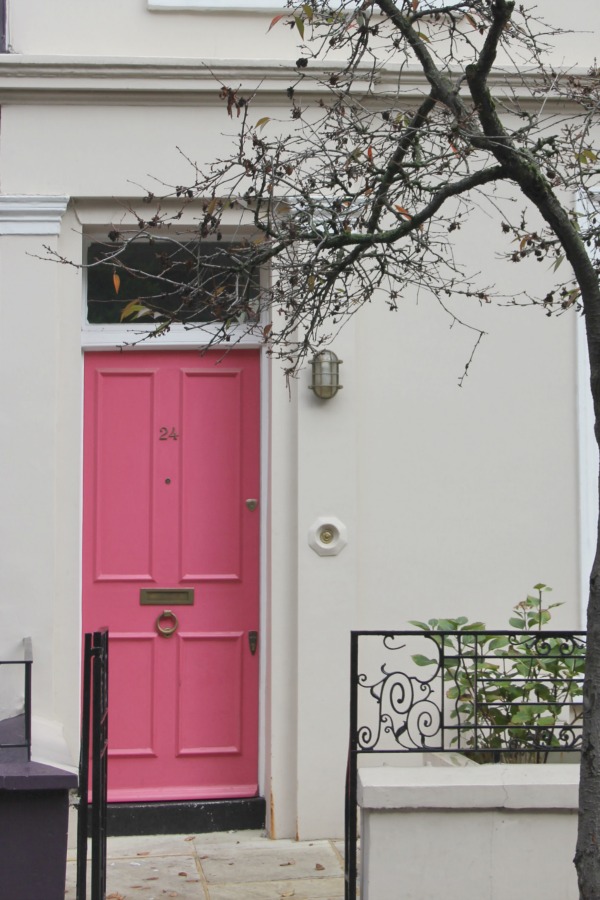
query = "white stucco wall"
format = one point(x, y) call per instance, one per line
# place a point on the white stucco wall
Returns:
point(456, 500)
point(39, 524)
point(458, 513)
point(113, 28)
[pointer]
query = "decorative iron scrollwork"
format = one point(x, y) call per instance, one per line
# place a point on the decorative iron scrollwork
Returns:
point(473, 692)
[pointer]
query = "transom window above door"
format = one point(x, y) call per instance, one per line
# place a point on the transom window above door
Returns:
point(149, 282)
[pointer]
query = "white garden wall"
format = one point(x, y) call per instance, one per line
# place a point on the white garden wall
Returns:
point(495, 832)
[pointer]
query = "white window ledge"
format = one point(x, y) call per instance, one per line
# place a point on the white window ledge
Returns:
point(221, 5)
point(107, 337)
point(216, 5)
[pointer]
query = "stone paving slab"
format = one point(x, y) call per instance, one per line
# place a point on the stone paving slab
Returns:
point(148, 879)
point(279, 860)
point(153, 879)
point(222, 866)
point(152, 845)
point(305, 889)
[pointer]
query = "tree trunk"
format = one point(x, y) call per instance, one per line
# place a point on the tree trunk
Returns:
point(587, 857)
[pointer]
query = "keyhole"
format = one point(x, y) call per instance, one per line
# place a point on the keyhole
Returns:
point(167, 481)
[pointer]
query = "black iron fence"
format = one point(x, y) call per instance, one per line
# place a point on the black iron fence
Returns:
point(15, 698)
point(492, 695)
point(92, 807)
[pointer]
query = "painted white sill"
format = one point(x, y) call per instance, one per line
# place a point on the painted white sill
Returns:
point(106, 337)
point(216, 6)
point(498, 786)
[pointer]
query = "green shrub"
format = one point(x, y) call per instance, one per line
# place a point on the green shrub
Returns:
point(514, 696)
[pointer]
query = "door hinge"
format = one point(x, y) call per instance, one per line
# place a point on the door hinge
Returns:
point(253, 641)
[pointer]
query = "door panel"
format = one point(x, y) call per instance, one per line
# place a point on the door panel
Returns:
point(171, 454)
point(123, 484)
point(211, 512)
point(133, 735)
point(210, 671)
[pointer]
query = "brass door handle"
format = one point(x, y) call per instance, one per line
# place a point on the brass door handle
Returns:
point(167, 630)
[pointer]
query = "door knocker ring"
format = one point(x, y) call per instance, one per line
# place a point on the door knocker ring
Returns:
point(167, 630)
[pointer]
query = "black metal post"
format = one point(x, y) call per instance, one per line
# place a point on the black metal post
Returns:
point(351, 824)
point(84, 767)
point(93, 815)
point(28, 657)
point(100, 757)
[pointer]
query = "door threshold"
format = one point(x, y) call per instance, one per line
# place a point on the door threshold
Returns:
point(186, 816)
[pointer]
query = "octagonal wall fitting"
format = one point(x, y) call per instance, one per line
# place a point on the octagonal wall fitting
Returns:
point(327, 536)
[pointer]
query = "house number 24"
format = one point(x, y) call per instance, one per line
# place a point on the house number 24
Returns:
point(166, 434)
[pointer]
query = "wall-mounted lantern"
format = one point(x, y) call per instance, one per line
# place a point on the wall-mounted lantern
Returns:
point(325, 380)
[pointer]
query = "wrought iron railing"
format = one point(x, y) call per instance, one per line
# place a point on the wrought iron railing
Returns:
point(493, 695)
point(93, 767)
point(15, 724)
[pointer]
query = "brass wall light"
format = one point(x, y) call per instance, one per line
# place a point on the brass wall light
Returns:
point(325, 380)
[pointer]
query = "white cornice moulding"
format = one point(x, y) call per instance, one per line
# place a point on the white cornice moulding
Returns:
point(172, 81)
point(21, 214)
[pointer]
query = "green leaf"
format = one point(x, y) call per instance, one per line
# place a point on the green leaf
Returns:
point(498, 642)
point(521, 717)
point(446, 625)
point(587, 156)
point(517, 622)
point(523, 668)
point(421, 660)
point(299, 25)
point(418, 624)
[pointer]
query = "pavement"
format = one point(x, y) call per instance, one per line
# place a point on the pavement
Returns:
point(243, 865)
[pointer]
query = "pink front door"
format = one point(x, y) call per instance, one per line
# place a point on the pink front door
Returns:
point(171, 566)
